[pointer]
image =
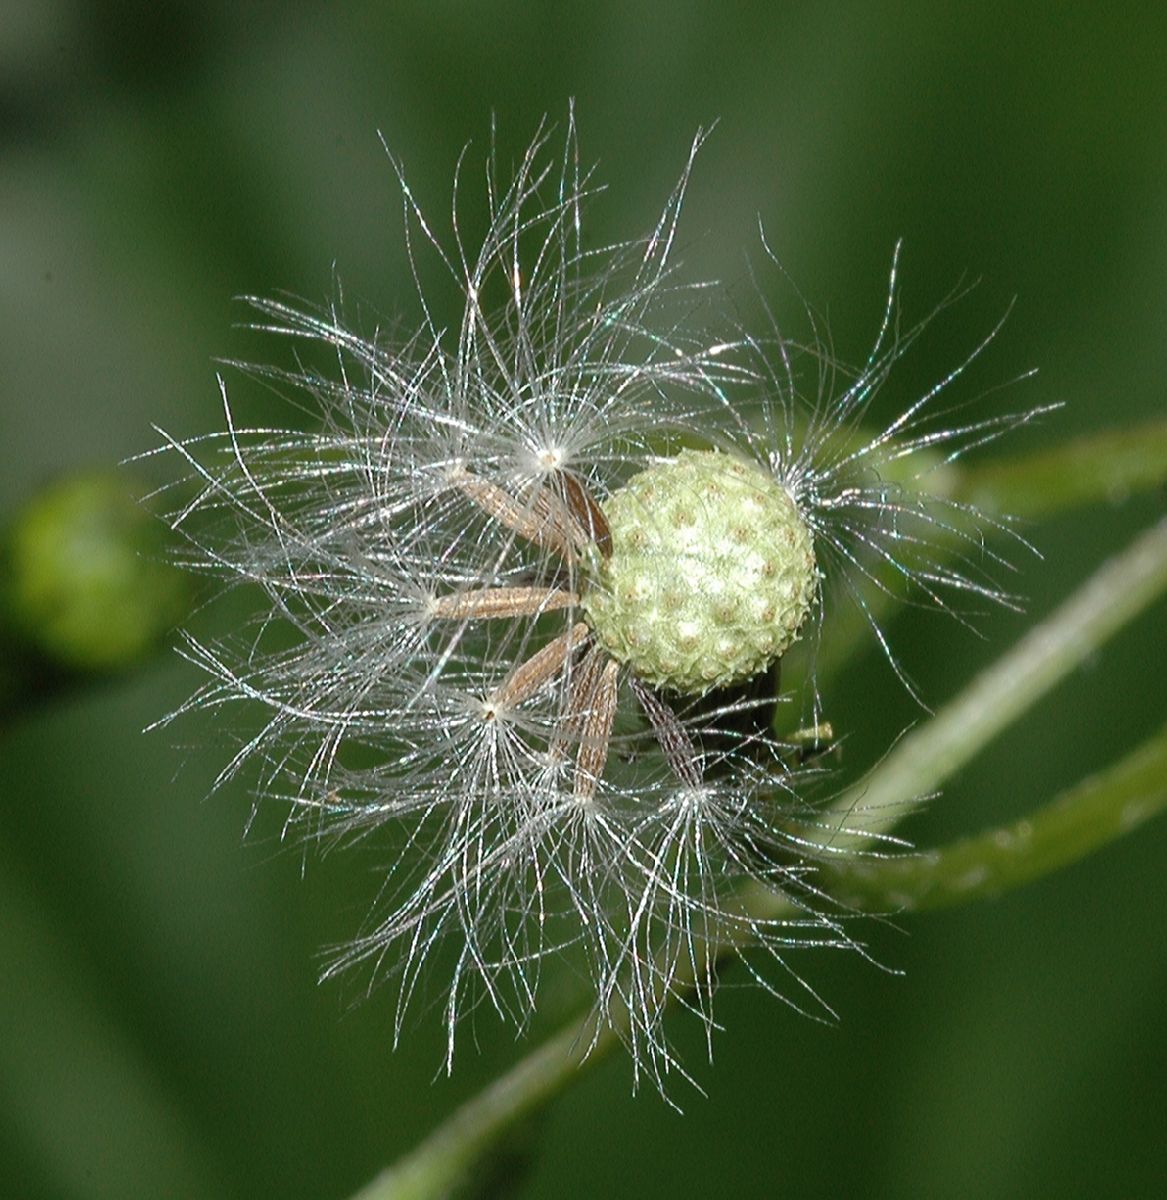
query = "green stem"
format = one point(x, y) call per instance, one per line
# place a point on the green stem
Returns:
point(1112, 597)
point(443, 1161)
point(924, 758)
point(1100, 467)
point(1081, 820)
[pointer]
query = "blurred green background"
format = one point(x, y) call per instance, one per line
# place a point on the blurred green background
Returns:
point(161, 1031)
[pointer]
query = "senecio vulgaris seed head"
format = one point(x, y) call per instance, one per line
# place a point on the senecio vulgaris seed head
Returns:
point(709, 575)
point(501, 633)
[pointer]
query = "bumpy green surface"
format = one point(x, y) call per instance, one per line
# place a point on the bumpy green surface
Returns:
point(711, 574)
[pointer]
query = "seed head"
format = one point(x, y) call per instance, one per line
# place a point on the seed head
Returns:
point(512, 585)
point(710, 575)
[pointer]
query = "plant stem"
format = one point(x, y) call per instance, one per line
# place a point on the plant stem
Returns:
point(445, 1158)
point(1079, 821)
point(1113, 596)
point(1100, 467)
point(924, 758)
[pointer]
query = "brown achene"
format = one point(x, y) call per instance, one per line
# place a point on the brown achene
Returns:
point(568, 524)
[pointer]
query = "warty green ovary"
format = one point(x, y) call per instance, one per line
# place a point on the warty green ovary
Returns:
point(710, 576)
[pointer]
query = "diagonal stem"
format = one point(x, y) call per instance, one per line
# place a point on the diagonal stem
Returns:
point(1082, 819)
point(927, 756)
point(1103, 466)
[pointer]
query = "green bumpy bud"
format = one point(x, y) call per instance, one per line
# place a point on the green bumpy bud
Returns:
point(710, 577)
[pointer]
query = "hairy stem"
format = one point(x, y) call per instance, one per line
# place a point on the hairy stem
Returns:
point(1100, 468)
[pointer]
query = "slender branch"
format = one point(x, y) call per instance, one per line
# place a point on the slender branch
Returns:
point(1112, 597)
point(1081, 820)
point(444, 1160)
point(924, 758)
point(1101, 467)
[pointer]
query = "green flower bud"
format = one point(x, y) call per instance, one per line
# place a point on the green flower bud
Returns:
point(86, 584)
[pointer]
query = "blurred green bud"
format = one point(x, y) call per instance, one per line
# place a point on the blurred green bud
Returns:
point(85, 581)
